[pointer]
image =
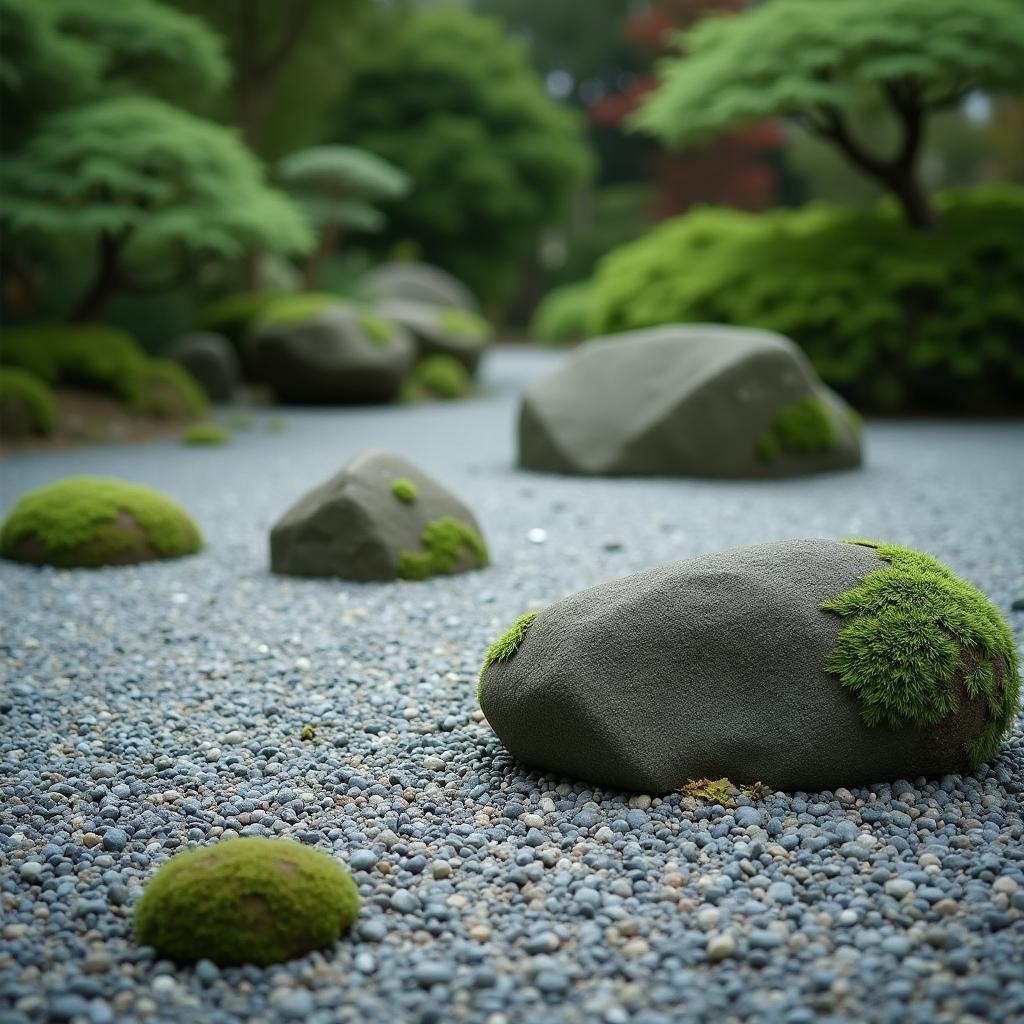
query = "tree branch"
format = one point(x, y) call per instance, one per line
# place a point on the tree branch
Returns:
point(269, 65)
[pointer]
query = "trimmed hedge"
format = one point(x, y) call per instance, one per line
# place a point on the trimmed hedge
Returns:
point(891, 318)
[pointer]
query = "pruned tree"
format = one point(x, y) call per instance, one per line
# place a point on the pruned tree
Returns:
point(825, 64)
point(337, 186)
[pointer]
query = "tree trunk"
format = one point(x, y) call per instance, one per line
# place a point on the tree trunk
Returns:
point(917, 207)
point(326, 245)
point(105, 282)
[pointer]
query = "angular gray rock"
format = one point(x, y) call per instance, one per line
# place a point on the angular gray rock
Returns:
point(701, 400)
point(380, 518)
point(211, 359)
point(440, 330)
point(420, 282)
point(340, 355)
point(704, 668)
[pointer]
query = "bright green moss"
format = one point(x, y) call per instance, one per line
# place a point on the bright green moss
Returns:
point(166, 390)
point(446, 541)
point(405, 490)
point(379, 330)
point(258, 901)
point(800, 428)
point(24, 396)
point(205, 434)
point(286, 310)
point(233, 314)
point(711, 791)
point(441, 376)
point(561, 316)
point(916, 638)
point(460, 323)
point(77, 522)
point(505, 646)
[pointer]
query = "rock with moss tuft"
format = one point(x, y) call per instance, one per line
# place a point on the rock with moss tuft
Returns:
point(440, 330)
point(805, 664)
point(246, 901)
point(27, 404)
point(87, 522)
point(441, 377)
point(211, 360)
point(418, 282)
point(380, 518)
point(701, 400)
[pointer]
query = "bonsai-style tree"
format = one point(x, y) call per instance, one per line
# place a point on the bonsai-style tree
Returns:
point(336, 186)
point(825, 64)
point(158, 193)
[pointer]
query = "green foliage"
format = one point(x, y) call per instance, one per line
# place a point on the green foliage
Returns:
point(461, 323)
point(452, 101)
point(916, 641)
point(296, 309)
point(800, 428)
point(447, 541)
point(711, 791)
point(562, 314)
point(205, 434)
point(248, 900)
point(805, 59)
point(76, 523)
point(25, 396)
point(405, 490)
point(505, 646)
point(104, 359)
point(891, 318)
point(233, 315)
point(439, 376)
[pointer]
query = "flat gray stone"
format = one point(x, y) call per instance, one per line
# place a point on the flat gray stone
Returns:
point(421, 282)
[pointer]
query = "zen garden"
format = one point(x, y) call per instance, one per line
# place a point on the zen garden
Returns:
point(511, 511)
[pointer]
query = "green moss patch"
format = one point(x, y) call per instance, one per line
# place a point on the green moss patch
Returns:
point(286, 310)
point(27, 403)
point(206, 434)
point(445, 541)
point(378, 329)
point(405, 490)
point(89, 521)
point(258, 901)
point(505, 646)
point(439, 376)
point(800, 428)
point(915, 639)
point(460, 323)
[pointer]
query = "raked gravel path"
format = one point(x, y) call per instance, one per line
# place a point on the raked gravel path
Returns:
point(145, 709)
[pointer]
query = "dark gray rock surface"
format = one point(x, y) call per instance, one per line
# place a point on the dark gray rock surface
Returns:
point(211, 359)
point(681, 400)
point(421, 282)
point(354, 527)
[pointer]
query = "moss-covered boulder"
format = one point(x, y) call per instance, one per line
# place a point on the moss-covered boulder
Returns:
point(441, 330)
point(336, 353)
point(27, 404)
point(91, 521)
point(380, 518)
point(442, 377)
point(804, 664)
point(419, 282)
point(683, 400)
point(246, 901)
point(211, 360)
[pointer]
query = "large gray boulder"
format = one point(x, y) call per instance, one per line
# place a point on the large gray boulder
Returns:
point(211, 360)
point(419, 282)
point(440, 330)
point(380, 518)
point(700, 400)
point(338, 355)
point(728, 665)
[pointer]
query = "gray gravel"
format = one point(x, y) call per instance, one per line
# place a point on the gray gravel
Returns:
point(144, 709)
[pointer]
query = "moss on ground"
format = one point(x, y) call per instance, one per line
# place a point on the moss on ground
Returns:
point(711, 791)
point(206, 434)
point(912, 631)
point(441, 376)
point(76, 523)
point(505, 646)
point(248, 900)
point(405, 490)
point(25, 397)
point(800, 428)
point(460, 323)
point(445, 541)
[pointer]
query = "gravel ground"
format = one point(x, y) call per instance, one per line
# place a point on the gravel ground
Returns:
point(148, 708)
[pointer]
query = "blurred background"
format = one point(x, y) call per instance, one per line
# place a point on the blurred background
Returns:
point(176, 171)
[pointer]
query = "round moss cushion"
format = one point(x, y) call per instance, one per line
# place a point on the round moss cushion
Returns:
point(255, 901)
point(90, 521)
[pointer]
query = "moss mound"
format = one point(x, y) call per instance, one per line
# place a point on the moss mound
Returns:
point(206, 434)
point(439, 376)
point(27, 404)
point(405, 490)
point(505, 646)
point(917, 642)
point(447, 541)
point(87, 521)
point(256, 901)
point(801, 428)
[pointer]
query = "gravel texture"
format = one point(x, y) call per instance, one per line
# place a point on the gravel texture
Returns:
point(148, 708)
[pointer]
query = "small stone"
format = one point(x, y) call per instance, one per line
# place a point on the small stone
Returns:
point(363, 860)
point(721, 946)
point(441, 869)
point(115, 840)
point(30, 870)
point(899, 887)
point(234, 737)
point(537, 535)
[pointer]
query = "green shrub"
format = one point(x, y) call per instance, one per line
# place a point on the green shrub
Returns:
point(89, 521)
point(249, 900)
point(27, 403)
point(233, 315)
point(890, 317)
point(205, 434)
point(562, 314)
point(440, 376)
